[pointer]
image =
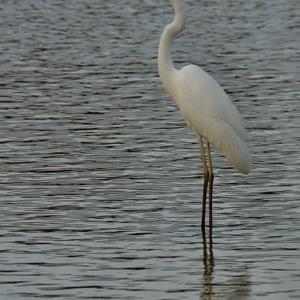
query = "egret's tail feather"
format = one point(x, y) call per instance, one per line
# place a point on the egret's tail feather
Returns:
point(229, 144)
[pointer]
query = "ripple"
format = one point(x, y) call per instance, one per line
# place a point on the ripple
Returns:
point(101, 179)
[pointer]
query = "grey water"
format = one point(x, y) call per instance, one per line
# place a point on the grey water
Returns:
point(100, 182)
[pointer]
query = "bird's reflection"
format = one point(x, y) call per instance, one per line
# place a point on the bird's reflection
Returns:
point(208, 263)
point(238, 286)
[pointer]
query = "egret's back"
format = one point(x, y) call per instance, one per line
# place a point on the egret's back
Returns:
point(210, 113)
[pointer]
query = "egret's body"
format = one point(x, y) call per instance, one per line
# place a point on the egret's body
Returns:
point(205, 107)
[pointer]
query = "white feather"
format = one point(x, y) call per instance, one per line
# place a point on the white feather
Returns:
point(205, 106)
point(210, 113)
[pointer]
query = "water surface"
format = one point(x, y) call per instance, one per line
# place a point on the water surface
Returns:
point(100, 178)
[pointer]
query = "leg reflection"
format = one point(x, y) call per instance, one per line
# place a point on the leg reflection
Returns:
point(237, 288)
point(208, 266)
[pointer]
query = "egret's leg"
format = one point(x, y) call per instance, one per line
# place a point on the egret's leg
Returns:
point(208, 266)
point(210, 183)
point(205, 181)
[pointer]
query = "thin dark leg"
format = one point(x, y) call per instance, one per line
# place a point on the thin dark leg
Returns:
point(205, 182)
point(205, 185)
point(210, 183)
point(208, 267)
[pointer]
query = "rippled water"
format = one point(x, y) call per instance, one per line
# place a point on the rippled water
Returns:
point(100, 178)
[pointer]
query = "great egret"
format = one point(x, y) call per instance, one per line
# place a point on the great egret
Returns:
point(205, 107)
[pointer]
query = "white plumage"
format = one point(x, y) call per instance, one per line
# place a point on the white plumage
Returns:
point(209, 112)
point(205, 107)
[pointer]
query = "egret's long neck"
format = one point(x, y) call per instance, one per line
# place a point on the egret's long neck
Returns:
point(166, 68)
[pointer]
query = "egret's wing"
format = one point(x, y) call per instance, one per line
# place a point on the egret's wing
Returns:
point(210, 113)
point(225, 139)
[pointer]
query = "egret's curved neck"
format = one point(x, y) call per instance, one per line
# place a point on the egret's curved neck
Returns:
point(166, 68)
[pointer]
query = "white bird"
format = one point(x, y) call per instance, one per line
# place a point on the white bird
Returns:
point(205, 107)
